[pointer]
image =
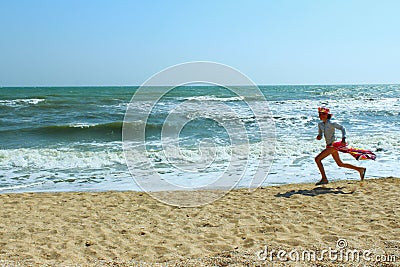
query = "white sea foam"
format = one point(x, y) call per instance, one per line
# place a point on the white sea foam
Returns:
point(213, 98)
point(64, 158)
point(20, 102)
point(82, 125)
point(64, 168)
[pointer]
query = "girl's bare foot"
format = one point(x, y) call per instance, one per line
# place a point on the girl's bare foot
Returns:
point(322, 182)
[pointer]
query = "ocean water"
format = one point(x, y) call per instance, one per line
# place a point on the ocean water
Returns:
point(70, 138)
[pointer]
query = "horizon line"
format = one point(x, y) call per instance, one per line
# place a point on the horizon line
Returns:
point(197, 85)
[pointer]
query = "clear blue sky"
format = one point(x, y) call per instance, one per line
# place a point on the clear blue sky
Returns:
point(98, 42)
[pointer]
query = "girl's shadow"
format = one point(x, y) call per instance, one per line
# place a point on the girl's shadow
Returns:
point(315, 192)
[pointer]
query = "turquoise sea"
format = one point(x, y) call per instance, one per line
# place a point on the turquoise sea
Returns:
point(70, 138)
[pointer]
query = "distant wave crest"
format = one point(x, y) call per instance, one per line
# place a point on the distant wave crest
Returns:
point(21, 102)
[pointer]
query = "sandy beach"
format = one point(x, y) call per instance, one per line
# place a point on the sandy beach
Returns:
point(240, 229)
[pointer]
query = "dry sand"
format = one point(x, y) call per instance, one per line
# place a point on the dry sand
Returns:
point(132, 229)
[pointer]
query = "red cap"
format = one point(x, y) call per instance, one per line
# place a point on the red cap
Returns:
point(323, 110)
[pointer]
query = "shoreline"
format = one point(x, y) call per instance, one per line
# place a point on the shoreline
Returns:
point(6, 192)
point(121, 228)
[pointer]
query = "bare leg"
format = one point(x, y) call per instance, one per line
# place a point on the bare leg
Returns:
point(340, 163)
point(318, 159)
